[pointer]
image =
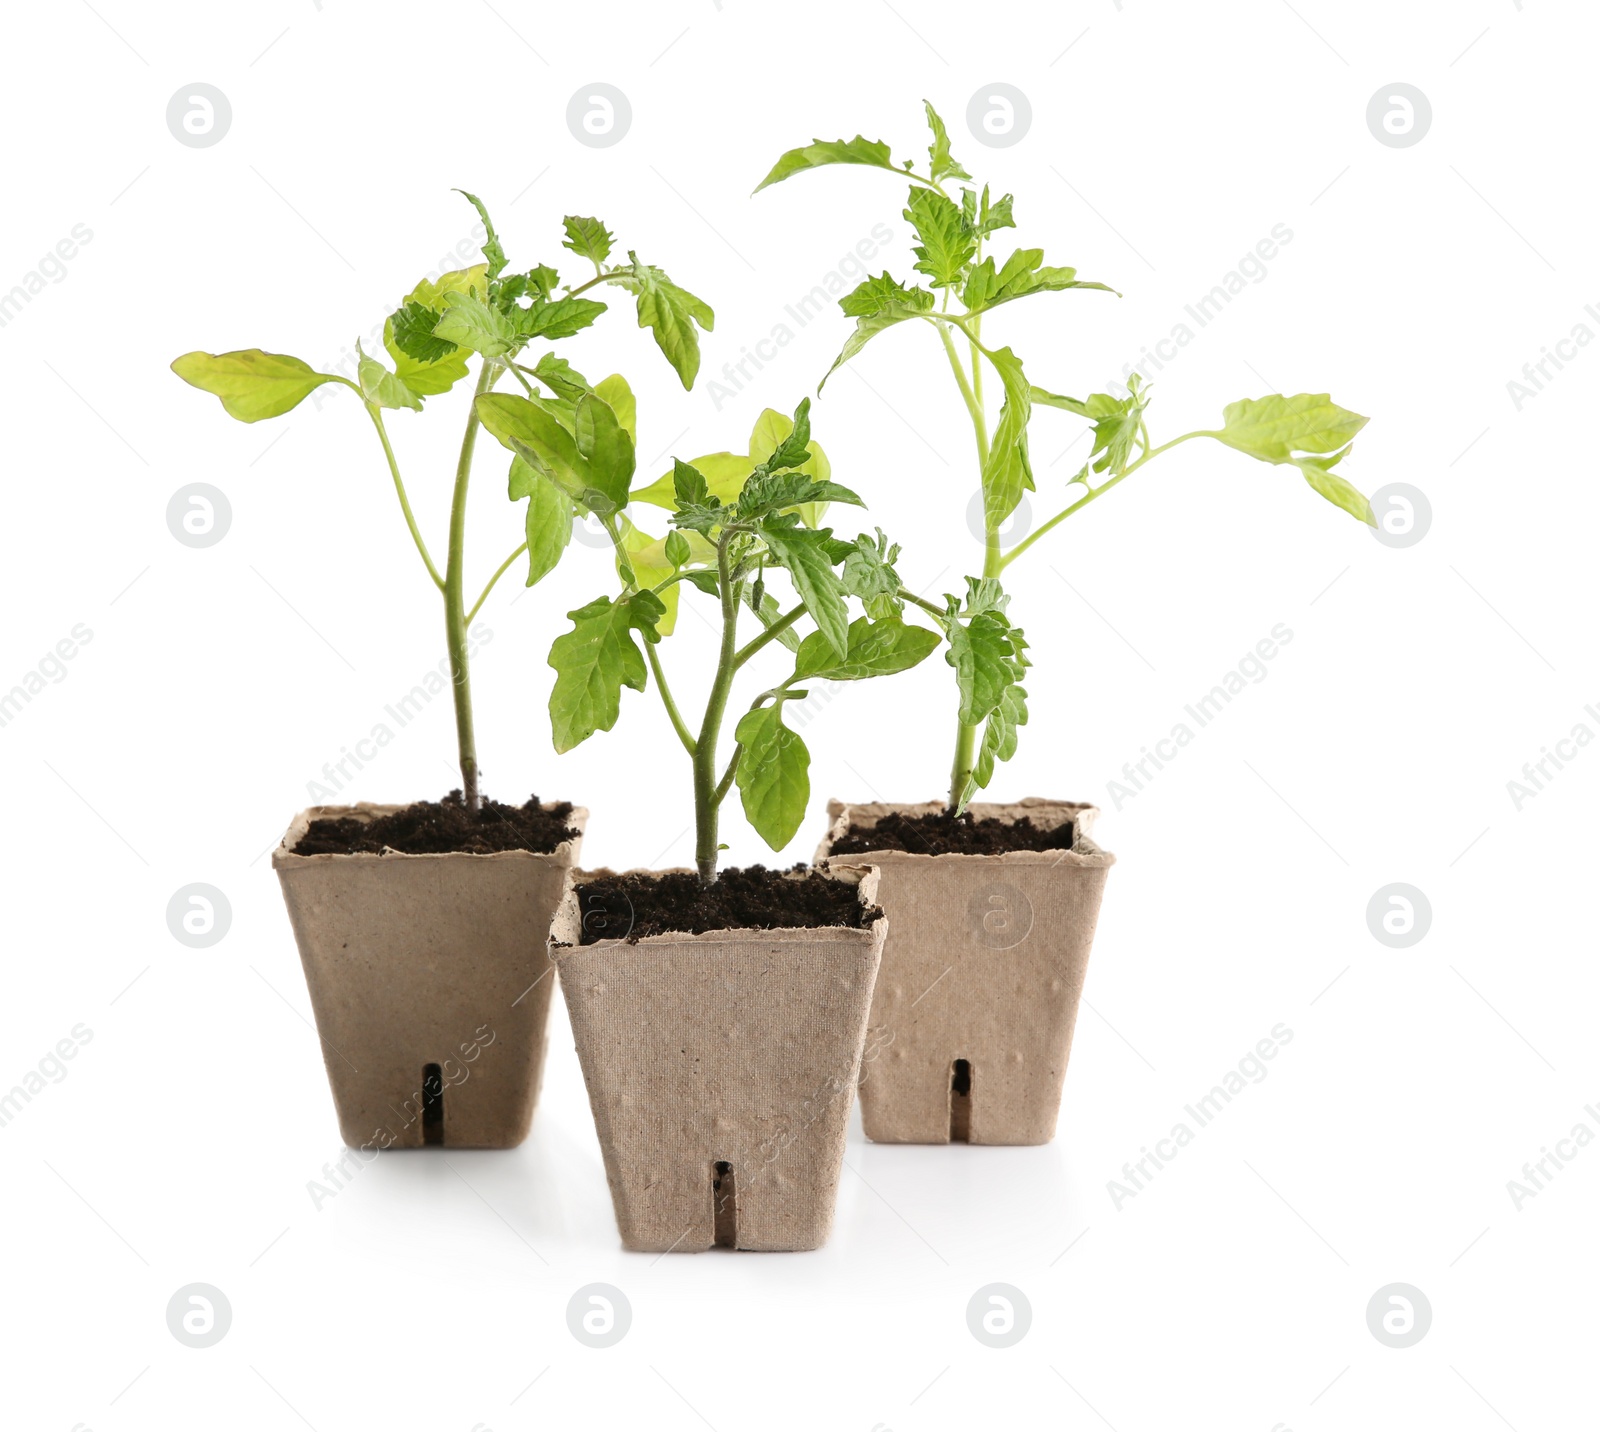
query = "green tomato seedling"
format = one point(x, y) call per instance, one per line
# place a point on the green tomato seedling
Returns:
point(431, 339)
point(1307, 431)
point(735, 518)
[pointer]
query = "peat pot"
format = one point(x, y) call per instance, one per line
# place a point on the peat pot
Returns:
point(982, 969)
point(430, 979)
point(721, 1069)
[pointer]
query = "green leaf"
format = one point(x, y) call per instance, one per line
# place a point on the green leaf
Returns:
point(941, 162)
point(651, 566)
point(771, 431)
point(1008, 471)
point(708, 582)
point(689, 487)
point(535, 435)
point(1340, 492)
point(670, 313)
point(494, 255)
point(772, 775)
point(875, 295)
point(1116, 426)
point(434, 292)
point(767, 610)
point(724, 474)
point(984, 594)
point(947, 243)
point(1275, 428)
point(380, 387)
point(595, 660)
point(427, 377)
point(1021, 275)
point(828, 151)
point(558, 318)
point(984, 218)
point(793, 450)
point(470, 323)
point(981, 652)
point(768, 492)
point(251, 384)
point(548, 522)
point(1058, 400)
point(604, 444)
point(561, 377)
point(410, 328)
point(878, 648)
point(869, 575)
point(804, 554)
point(866, 330)
point(587, 238)
point(616, 393)
point(1309, 431)
point(999, 738)
point(538, 283)
point(677, 549)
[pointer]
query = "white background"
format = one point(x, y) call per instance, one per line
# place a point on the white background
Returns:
point(1166, 140)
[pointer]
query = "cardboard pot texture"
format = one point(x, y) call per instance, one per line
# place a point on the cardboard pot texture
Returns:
point(414, 960)
point(736, 1047)
point(984, 962)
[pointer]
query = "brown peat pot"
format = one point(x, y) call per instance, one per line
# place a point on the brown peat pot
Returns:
point(430, 979)
point(721, 1068)
point(978, 991)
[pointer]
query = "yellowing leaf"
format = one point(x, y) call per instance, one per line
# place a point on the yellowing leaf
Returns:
point(251, 384)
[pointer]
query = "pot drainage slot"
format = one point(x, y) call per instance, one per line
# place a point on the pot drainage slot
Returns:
point(960, 1101)
point(432, 1105)
point(724, 1206)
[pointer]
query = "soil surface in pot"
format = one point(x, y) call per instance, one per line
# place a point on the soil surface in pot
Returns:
point(634, 907)
point(442, 828)
point(944, 834)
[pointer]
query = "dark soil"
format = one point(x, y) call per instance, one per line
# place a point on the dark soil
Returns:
point(633, 907)
point(442, 827)
point(943, 834)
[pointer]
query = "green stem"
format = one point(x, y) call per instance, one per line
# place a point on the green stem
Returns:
point(455, 619)
point(612, 274)
point(705, 752)
point(980, 426)
point(772, 633)
point(500, 571)
point(1084, 501)
point(967, 736)
point(922, 602)
point(726, 783)
point(677, 720)
point(400, 489)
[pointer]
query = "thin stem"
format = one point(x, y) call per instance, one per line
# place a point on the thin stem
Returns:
point(400, 490)
point(681, 575)
point(972, 338)
point(967, 736)
point(499, 572)
point(598, 278)
point(705, 754)
point(678, 723)
point(455, 623)
point(1084, 501)
point(772, 633)
point(922, 602)
point(980, 426)
point(726, 783)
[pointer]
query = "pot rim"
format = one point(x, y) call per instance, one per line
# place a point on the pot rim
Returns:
point(284, 858)
point(860, 873)
point(1083, 855)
